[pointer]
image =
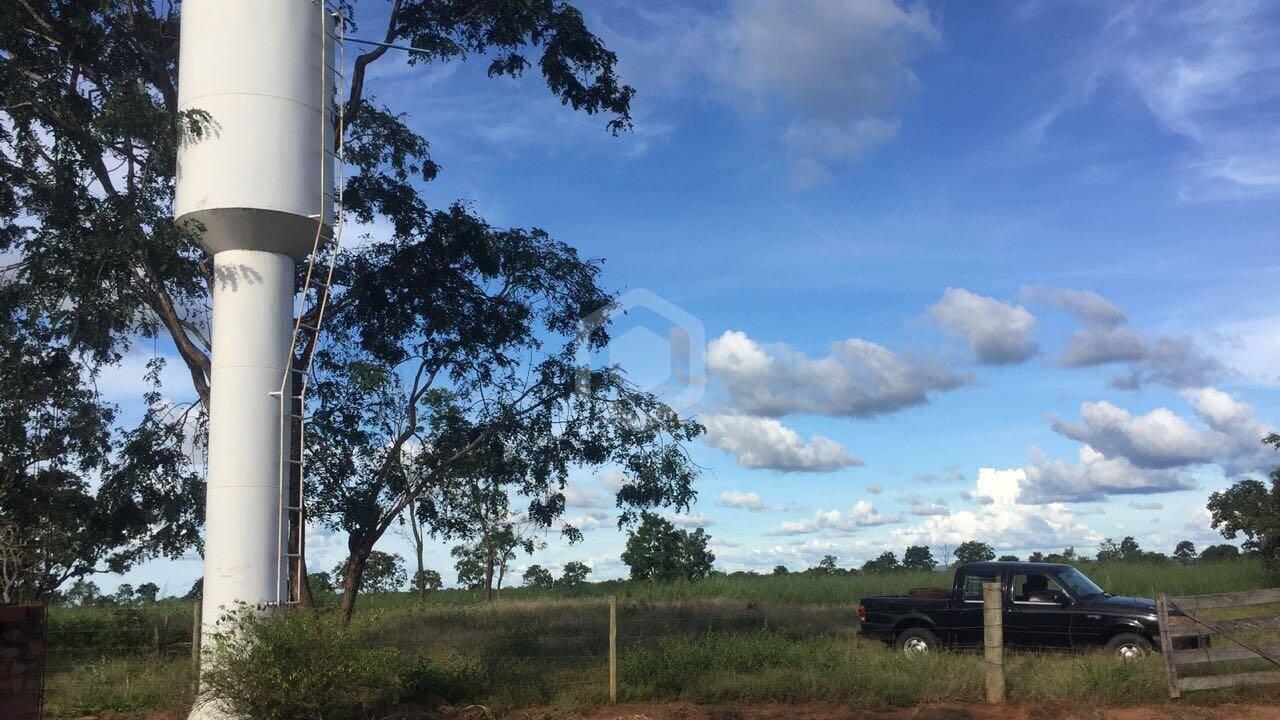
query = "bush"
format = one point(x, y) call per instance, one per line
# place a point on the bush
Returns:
point(432, 682)
point(297, 666)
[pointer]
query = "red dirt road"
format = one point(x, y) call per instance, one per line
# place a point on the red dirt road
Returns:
point(824, 711)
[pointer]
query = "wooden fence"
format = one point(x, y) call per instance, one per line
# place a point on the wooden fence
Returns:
point(1231, 638)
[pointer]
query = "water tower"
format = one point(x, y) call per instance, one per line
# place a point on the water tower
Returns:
point(258, 184)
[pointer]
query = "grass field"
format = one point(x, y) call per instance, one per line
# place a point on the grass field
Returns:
point(723, 639)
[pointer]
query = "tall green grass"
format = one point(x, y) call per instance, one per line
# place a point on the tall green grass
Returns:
point(1136, 579)
point(737, 638)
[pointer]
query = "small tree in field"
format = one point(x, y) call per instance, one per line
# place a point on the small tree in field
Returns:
point(827, 565)
point(384, 573)
point(574, 575)
point(538, 577)
point(780, 570)
point(974, 551)
point(1185, 552)
point(1218, 553)
point(886, 562)
point(147, 592)
point(469, 561)
point(658, 550)
point(1036, 556)
point(918, 557)
point(1008, 558)
point(427, 580)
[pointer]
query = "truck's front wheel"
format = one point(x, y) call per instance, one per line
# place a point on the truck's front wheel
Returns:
point(916, 641)
point(1129, 646)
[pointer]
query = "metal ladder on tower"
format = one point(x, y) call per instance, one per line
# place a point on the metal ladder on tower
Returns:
point(309, 311)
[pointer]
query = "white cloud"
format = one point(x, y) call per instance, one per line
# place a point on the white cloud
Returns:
point(875, 488)
point(766, 443)
point(857, 379)
point(1160, 439)
point(689, 520)
point(1107, 338)
point(581, 494)
point(1005, 520)
point(591, 520)
point(862, 515)
point(922, 506)
point(838, 70)
point(1095, 477)
point(1204, 70)
point(999, 333)
point(741, 500)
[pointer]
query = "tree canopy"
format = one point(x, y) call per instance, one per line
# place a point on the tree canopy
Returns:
point(441, 311)
point(974, 551)
point(658, 550)
point(1251, 508)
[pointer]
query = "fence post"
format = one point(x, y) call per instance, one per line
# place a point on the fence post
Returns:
point(993, 641)
point(613, 649)
point(1166, 645)
point(196, 634)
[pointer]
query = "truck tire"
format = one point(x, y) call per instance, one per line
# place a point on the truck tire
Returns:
point(916, 641)
point(1129, 646)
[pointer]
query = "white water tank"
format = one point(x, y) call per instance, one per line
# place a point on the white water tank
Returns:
point(259, 177)
point(255, 185)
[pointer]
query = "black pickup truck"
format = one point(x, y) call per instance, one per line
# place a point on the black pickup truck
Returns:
point(1046, 605)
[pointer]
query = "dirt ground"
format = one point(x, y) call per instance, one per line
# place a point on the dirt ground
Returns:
point(825, 711)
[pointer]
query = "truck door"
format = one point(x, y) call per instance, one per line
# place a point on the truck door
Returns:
point(966, 626)
point(1039, 614)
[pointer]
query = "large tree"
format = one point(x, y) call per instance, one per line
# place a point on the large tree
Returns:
point(96, 267)
point(1251, 508)
point(974, 551)
point(658, 550)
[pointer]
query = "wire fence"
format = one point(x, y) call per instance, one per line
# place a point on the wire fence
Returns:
point(513, 652)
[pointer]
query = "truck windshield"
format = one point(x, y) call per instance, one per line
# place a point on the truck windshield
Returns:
point(1079, 585)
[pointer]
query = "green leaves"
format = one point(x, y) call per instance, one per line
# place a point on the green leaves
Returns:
point(658, 550)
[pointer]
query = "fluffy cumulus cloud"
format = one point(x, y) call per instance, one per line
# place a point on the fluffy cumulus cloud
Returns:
point(1007, 519)
point(590, 520)
point(862, 515)
point(1095, 477)
point(836, 73)
point(1161, 439)
point(689, 520)
point(766, 443)
point(741, 500)
point(999, 333)
point(1106, 338)
point(856, 379)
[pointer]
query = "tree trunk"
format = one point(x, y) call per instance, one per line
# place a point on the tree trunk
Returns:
point(351, 579)
point(421, 578)
point(502, 572)
point(488, 578)
point(306, 600)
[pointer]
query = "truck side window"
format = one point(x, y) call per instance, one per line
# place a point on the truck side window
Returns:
point(973, 586)
point(1036, 588)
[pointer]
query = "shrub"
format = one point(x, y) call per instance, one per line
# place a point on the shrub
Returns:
point(432, 682)
point(297, 666)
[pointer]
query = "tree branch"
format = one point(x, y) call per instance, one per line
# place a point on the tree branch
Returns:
point(355, 95)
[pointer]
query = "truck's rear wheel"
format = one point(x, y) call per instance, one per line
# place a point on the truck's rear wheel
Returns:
point(1129, 646)
point(916, 641)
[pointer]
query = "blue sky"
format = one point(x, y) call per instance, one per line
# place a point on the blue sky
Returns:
point(962, 270)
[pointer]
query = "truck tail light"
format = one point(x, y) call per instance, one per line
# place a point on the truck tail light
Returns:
point(862, 613)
